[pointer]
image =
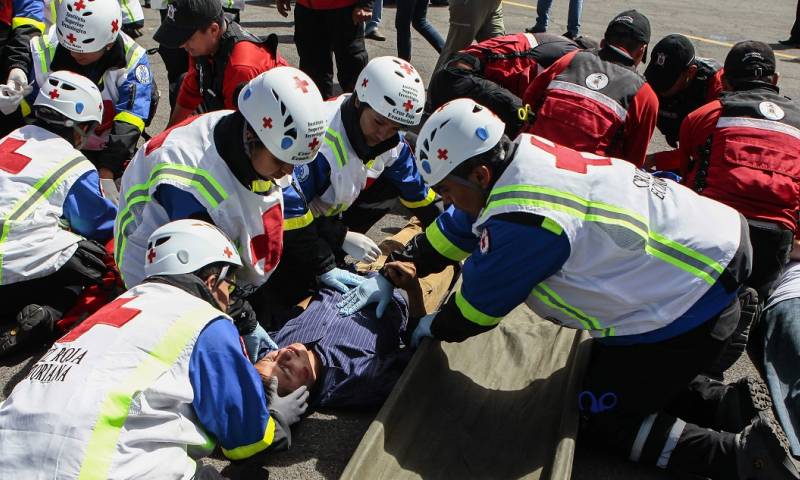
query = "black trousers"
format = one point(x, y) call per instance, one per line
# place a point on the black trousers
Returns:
point(318, 34)
point(59, 290)
point(772, 245)
point(664, 414)
point(176, 61)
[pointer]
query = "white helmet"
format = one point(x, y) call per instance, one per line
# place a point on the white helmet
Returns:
point(87, 26)
point(393, 88)
point(73, 96)
point(285, 109)
point(456, 132)
point(185, 246)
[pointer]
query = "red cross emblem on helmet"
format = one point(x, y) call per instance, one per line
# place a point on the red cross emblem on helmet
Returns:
point(301, 84)
point(267, 122)
point(79, 5)
point(54, 94)
point(227, 252)
point(441, 154)
point(313, 144)
point(71, 38)
point(151, 255)
point(407, 68)
point(408, 105)
point(114, 25)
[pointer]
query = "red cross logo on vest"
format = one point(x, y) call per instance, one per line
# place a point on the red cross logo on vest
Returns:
point(114, 26)
point(151, 255)
point(408, 105)
point(441, 154)
point(71, 38)
point(301, 84)
point(569, 159)
point(313, 144)
point(228, 253)
point(267, 122)
point(407, 68)
point(79, 5)
point(365, 82)
point(54, 94)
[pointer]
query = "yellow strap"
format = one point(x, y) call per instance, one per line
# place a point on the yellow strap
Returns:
point(247, 451)
point(429, 198)
point(26, 108)
point(443, 245)
point(473, 314)
point(297, 223)
point(128, 117)
point(17, 22)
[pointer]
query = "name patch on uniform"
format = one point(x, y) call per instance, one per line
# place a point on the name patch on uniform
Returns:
point(484, 241)
point(143, 74)
point(771, 111)
point(597, 81)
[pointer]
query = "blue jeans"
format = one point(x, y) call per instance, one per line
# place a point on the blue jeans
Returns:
point(573, 18)
point(375, 22)
point(781, 324)
point(414, 12)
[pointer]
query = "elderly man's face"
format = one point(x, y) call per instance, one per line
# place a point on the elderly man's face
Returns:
point(291, 365)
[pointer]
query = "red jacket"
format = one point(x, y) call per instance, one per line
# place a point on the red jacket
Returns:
point(514, 73)
point(594, 105)
point(247, 61)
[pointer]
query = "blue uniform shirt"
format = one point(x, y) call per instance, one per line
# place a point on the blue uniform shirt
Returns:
point(89, 213)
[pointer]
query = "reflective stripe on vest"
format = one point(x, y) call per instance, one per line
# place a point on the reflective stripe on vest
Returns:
point(200, 179)
point(17, 22)
point(114, 408)
point(549, 297)
point(626, 221)
point(598, 97)
point(46, 53)
point(473, 314)
point(297, 223)
point(41, 191)
point(443, 245)
point(334, 140)
point(429, 198)
point(759, 124)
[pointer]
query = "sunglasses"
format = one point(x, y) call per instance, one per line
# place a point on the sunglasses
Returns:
point(224, 277)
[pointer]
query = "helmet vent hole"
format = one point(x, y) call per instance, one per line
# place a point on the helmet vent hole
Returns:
point(162, 241)
point(88, 41)
point(390, 101)
point(418, 80)
point(86, 14)
point(52, 82)
point(477, 108)
point(283, 108)
point(425, 144)
point(399, 74)
point(68, 87)
point(275, 95)
point(433, 133)
point(291, 133)
point(289, 120)
point(445, 123)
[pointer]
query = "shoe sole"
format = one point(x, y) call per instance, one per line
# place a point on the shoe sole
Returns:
point(759, 395)
point(777, 435)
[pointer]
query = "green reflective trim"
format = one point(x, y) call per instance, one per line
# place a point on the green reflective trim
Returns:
point(551, 226)
point(45, 54)
point(297, 223)
point(654, 244)
point(133, 52)
point(443, 245)
point(206, 185)
point(41, 191)
point(334, 140)
point(334, 210)
point(430, 197)
point(114, 409)
point(124, 4)
point(247, 451)
point(473, 314)
point(548, 296)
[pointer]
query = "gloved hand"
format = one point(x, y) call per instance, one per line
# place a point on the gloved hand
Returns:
point(340, 280)
point(257, 340)
point(10, 99)
point(372, 290)
point(18, 81)
point(289, 408)
point(423, 330)
point(88, 262)
point(361, 247)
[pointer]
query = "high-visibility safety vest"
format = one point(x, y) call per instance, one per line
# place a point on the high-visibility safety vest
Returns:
point(587, 104)
point(37, 170)
point(754, 160)
point(643, 249)
point(186, 157)
point(112, 398)
point(43, 49)
point(349, 174)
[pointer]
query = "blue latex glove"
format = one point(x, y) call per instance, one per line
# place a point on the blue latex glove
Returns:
point(423, 330)
point(340, 280)
point(256, 340)
point(372, 290)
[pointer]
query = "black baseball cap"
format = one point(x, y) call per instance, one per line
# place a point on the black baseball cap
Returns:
point(630, 23)
point(749, 60)
point(669, 59)
point(184, 17)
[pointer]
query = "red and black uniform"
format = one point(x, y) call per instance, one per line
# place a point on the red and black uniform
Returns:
point(744, 150)
point(323, 28)
point(212, 82)
point(496, 72)
point(705, 87)
point(594, 101)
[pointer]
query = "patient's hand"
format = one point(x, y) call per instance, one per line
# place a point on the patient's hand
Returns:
point(402, 274)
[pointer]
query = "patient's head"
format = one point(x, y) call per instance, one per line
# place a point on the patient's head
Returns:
point(294, 366)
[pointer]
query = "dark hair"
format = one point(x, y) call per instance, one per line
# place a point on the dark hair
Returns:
point(624, 40)
point(496, 159)
point(220, 20)
point(204, 273)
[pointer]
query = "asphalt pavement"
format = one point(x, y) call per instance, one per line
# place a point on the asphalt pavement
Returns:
point(324, 441)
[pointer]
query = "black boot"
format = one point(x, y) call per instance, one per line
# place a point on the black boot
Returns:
point(38, 316)
point(762, 452)
point(741, 402)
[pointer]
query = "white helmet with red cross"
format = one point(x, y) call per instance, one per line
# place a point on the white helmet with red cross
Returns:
point(284, 108)
point(87, 26)
point(392, 87)
point(185, 246)
point(456, 132)
point(74, 96)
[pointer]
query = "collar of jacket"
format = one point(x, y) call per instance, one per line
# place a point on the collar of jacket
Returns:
point(113, 58)
point(350, 116)
point(187, 282)
point(229, 139)
point(616, 55)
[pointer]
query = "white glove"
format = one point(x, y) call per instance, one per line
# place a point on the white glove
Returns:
point(18, 81)
point(10, 99)
point(110, 191)
point(361, 247)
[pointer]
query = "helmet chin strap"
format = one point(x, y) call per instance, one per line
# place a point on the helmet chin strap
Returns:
point(469, 184)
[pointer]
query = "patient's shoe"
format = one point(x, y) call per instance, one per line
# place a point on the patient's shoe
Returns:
point(742, 400)
point(762, 452)
point(33, 316)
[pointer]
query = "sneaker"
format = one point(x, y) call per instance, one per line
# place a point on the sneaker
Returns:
point(33, 316)
point(742, 401)
point(375, 35)
point(762, 452)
